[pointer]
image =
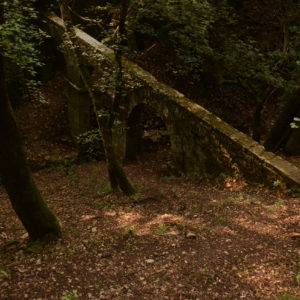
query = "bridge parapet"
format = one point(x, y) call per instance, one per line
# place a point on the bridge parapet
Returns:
point(200, 141)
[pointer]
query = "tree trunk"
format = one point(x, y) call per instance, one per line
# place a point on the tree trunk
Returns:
point(117, 176)
point(38, 220)
point(292, 145)
point(256, 125)
point(281, 130)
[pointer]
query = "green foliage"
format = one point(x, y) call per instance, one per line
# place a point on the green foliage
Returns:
point(129, 231)
point(203, 38)
point(207, 37)
point(5, 273)
point(295, 192)
point(90, 145)
point(247, 61)
point(296, 123)
point(254, 69)
point(238, 198)
point(180, 26)
point(19, 36)
point(278, 184)
point(19, 40)
point(35, 247)
point(70, 296)
point(161, 229)
point(287, 297)
point(279, 202)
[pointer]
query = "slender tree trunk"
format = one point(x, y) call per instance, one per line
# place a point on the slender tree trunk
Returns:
point(117, 176)
point(115, 170)
point(38, 220)
point(256, 125)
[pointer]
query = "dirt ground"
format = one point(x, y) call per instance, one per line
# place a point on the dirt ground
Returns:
point(179, 238)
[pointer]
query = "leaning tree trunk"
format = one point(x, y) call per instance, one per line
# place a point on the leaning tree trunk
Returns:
point(38, 220)
point(117, 175)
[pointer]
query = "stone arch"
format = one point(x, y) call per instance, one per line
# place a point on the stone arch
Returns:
point(134, 146)
point(200, 141)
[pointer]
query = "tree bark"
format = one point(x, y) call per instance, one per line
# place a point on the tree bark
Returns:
point(281, 130)
point(37, 218)
point(292, 145)
point(117, 176)
point(256, 125)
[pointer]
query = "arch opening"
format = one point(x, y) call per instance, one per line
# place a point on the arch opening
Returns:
point(146, 132)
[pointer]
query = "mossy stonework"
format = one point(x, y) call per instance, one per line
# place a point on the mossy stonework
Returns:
point(200, 141)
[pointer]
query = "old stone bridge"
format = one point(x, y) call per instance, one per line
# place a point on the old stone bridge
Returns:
point(200, 141)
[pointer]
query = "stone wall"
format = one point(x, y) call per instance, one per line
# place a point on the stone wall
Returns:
point(200, 141)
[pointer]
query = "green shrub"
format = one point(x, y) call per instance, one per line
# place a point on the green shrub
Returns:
point(90, 145)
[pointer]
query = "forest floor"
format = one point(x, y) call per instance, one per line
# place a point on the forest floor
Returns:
point(180, 238)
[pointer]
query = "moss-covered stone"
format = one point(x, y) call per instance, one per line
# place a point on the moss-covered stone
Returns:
point(200, 141)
